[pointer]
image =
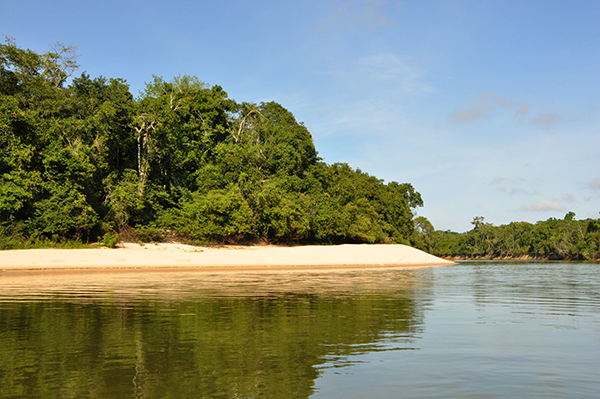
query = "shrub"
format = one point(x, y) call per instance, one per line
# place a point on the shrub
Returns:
point(110, 239)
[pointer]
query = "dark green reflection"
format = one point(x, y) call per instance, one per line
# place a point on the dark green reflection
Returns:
point(240, 340)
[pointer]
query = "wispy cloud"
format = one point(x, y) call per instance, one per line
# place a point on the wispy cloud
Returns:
point(391, 69)
point(470, 114)
point(595, 184)
point(357, 14)
point(383, 116)
point(523, 191)
point(545, 205)
point(387, 66)
point(483, 104)
point(546, 119)
point(511, 186)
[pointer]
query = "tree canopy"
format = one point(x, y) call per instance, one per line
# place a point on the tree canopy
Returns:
point(83, 159)
point(565, 238)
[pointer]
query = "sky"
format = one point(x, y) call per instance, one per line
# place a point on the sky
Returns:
point(488, 108)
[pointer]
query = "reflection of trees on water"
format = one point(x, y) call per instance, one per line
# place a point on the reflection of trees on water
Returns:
point(220, 341)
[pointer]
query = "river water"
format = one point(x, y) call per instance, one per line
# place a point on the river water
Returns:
point(471, 330)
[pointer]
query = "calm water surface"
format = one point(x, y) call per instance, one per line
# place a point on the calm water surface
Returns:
point(473, 330)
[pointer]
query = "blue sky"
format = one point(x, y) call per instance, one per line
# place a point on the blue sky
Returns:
point(489, 108)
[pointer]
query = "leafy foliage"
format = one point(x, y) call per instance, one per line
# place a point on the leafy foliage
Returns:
point(550, 239)
point(83, 160)
point(110, 240)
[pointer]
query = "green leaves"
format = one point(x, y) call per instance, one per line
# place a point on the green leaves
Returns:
point(219, 214)
point(65, 212)
point(18, 189)
point(549, 239)
point(123, 197)
point(83, 160)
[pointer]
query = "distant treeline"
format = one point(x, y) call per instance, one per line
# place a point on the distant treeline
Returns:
point(551, 239)
point(87, 161)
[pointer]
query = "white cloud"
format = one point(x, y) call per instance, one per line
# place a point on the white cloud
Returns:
point(475, 112)
point(545, 205)
point(523, 191)
point(393, 71)
point(382, 117)
point(512, 186)
point(386, 66)
point(368, 96)
point(595, 184)
point(546, 119)
point(483, 104)
point(522, 108)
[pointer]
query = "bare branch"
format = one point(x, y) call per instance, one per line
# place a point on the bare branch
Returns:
point(60, 63)
point(243, 122)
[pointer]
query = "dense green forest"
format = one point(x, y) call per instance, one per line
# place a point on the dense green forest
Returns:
point(550, 239)
point(88, 160)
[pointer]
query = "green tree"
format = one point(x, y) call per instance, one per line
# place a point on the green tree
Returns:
point(424, 230)
point(84, 159)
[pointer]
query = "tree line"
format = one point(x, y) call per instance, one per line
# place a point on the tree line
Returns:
point(88, 160)
point(565, 238)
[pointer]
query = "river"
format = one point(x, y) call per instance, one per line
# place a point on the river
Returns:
point(471, 330)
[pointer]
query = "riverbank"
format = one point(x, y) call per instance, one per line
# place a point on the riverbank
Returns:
point(165, 257)
point(521, 258)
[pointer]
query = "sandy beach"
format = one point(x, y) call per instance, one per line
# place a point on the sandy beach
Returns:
point(166, 257)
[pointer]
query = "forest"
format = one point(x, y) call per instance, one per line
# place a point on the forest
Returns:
point(553, 239)
point(88, 162)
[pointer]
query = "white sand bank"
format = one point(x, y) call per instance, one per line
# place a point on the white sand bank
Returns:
point(174, 256)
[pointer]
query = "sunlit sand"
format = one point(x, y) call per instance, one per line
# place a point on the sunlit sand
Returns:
point(164, 257)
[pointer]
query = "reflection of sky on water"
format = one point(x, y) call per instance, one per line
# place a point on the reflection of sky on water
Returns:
point(491, 329)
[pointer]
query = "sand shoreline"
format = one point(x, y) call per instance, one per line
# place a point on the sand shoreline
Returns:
point(178, 257)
